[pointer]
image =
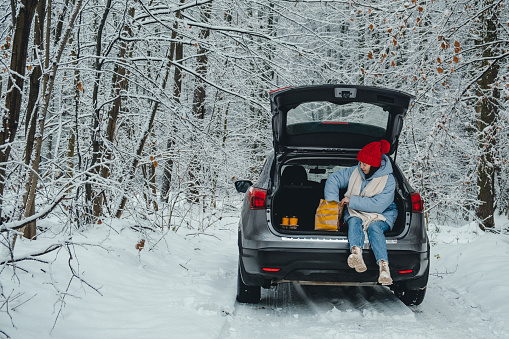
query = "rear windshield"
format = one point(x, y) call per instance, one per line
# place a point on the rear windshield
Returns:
point(324, 116)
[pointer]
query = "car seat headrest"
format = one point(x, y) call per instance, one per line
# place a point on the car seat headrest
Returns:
point(294, 175)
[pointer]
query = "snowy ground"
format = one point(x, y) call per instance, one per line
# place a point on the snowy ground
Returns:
point(183, 285)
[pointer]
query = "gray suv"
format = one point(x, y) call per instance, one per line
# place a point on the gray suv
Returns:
point(318, 130)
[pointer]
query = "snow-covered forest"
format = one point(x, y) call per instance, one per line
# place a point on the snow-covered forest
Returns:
point(146, 111)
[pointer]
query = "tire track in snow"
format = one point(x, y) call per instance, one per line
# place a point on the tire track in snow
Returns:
point(315, 312)
point(356, 312)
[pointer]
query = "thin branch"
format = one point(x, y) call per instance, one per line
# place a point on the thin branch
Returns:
point(31, 256)
point(14, 225)
point(167, 11)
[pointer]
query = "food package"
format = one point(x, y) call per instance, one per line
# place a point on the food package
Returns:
point(327, 215)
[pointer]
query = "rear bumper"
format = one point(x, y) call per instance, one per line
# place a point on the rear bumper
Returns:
point(326, 267)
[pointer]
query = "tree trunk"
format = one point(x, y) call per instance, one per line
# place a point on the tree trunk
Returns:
point(149, 175)
point(96, 201)
point(488, 110)
point(23, 24)
point(35, 78)
point(120, 84)
point(176, 54)
point(29, 231)
point(73, 140)
point(199, 100)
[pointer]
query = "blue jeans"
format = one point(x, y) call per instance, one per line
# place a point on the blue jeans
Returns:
point(375, 235)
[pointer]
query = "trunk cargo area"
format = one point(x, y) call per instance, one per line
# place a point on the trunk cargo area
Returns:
point(301, 187)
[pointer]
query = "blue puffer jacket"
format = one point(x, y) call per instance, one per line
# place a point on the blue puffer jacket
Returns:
point(382, 203)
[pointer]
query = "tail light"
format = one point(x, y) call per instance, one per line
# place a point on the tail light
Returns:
point(417, 205)
point(279, 89)
point(269, 269)
point(257, 197)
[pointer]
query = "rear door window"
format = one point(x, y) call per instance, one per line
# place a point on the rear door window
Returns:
point(323, 116)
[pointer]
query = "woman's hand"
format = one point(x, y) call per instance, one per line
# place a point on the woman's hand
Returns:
point(345, 201)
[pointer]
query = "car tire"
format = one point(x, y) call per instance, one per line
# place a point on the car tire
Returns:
point(245, 293)
point(409, 296)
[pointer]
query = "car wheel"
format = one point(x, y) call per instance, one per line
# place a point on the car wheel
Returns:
point(245, 293)
point(412, 292)
point(409, 296)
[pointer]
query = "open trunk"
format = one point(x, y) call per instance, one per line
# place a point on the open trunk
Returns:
point(301, 186)
point(341, 117)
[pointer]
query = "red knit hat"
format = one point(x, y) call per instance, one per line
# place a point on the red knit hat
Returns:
point(371, 154)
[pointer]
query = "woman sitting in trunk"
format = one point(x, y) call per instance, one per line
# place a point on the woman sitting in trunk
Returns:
point(370, 201)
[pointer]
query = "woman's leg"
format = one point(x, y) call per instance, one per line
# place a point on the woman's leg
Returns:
point(355, 232)
point(377, 239)
point(356, 240)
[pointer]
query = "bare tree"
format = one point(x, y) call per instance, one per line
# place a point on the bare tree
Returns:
point(33, 98)
point(176, 55)
point(34, 174)
point(488, 110)
point(22, 24)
